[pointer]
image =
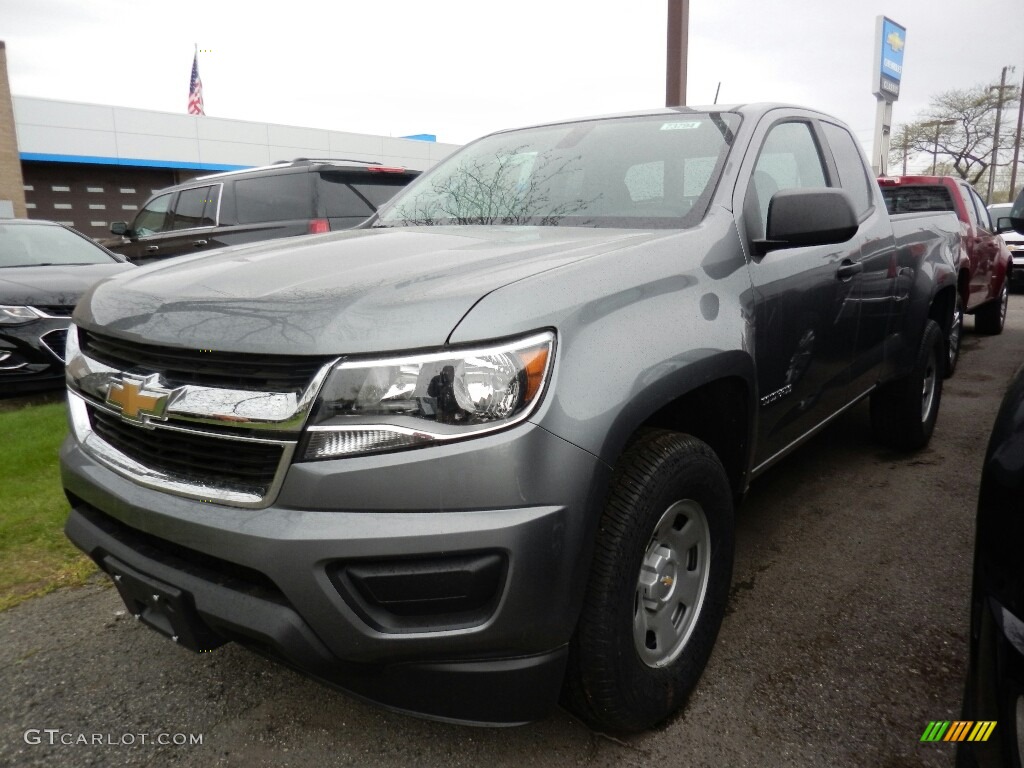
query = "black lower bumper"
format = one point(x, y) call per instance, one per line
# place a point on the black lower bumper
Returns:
point(201, 608)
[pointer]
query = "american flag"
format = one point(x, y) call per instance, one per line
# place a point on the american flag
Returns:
point(195, 91)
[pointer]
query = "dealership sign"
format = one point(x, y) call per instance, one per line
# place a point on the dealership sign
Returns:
point(890, 40)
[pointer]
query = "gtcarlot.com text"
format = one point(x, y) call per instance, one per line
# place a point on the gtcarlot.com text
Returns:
point(57, 737)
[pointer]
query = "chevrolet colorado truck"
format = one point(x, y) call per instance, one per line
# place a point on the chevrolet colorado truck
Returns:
point(984, 266)
point(481, 455)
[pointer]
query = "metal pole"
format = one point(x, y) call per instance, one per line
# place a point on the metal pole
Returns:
point(935, 153)
point(995, 139)
point(677, 48)
point(1016, 145)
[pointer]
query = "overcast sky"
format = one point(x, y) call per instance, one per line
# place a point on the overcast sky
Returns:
point(459, 69)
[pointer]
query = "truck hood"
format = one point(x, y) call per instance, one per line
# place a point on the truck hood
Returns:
point(364, 291)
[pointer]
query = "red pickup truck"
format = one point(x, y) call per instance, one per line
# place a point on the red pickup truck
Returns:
point(985, 263)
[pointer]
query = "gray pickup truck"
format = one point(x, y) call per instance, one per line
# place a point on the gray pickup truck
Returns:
point(482, 454)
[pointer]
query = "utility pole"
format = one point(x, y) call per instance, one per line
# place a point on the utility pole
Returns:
point(938, 126)
point(1016, 145)
point(995, 139)
point(678, 49)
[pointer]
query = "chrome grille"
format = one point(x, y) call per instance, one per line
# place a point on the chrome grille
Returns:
point(208, 460)
point(214, 426)
point(227, 370)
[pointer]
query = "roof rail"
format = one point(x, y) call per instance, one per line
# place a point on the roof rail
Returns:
point(307, 160)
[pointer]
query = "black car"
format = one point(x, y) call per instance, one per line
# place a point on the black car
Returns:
point(995, 676)
point(44, 269)
point(300, 197)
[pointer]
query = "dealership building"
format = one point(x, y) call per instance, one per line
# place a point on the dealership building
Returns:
point(87, 165)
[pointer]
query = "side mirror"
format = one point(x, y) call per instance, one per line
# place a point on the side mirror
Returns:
point(119, 228)
point(802, 217)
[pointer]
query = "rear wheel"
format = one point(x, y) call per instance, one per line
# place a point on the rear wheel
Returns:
point(956, 328)
point(991, 317)
point(903, 412)
point(658, 587)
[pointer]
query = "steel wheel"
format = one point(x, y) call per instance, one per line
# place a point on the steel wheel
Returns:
point(658, 586)
point(929, 383)
point(672, 583)
point(956, 329)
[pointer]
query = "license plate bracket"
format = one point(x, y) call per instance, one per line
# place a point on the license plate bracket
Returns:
point(165, 608)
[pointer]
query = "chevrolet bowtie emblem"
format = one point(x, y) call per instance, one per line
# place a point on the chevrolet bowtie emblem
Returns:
point(139, 399)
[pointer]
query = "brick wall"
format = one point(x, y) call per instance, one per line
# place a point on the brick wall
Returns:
point(11, 183)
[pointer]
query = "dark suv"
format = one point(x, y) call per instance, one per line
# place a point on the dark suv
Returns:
point(300, 197)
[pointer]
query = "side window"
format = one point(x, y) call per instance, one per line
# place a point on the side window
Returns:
point(789, 159)
point(153, 217)
point(983, 217)
point(196, 208)
point(852, 174)
point(972, 212)
point(283, 197)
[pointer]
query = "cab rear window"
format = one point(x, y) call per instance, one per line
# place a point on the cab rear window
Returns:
point(918, 198)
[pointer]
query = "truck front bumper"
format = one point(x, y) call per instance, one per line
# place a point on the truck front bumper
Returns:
point(445, 582)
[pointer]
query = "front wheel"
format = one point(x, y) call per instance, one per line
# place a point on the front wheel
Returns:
point(903, 412)
point(991, 317)
point(658, 587)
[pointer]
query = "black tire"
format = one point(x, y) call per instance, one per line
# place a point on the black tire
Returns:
point(667, 489)
point(953, 338)
point(903, 412)
point(991, 317)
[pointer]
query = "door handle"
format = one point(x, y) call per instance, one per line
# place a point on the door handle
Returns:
point(152, 248)
point(199, 243)
point(848, 269)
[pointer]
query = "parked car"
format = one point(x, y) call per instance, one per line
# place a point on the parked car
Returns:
point(300, 197)
point(995, 677)
point(485, 451)
point(1000, 213)
point(985, 263)
point(44, 269)
point(994, 692)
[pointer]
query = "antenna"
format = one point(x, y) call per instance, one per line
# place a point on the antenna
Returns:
point(716, 92)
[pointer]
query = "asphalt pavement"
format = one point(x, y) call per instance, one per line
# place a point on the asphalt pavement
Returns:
point(846, 634)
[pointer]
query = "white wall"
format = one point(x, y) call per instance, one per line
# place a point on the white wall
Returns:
point(73, 132)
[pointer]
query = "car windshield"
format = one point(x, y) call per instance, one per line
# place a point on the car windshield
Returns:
point(653, 171)
point(33, 245)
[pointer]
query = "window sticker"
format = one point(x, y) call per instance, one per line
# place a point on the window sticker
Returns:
point(688, 126)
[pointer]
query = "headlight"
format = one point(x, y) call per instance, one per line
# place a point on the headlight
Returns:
point(71, 349)
point(10, 315)
point(403, 402)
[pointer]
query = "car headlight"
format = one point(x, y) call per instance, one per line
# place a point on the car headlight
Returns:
point(14, 315)
point(71, 348)
point(404, 402)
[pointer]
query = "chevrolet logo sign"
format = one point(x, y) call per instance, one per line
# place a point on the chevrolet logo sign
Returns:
point(140, 399)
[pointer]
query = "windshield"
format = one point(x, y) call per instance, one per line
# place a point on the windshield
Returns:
point(33, 245)
point(625, 172)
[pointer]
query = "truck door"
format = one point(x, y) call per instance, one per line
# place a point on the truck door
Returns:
point(874, 289)
point(985, 243)
point(148, 229)
point(805, 323)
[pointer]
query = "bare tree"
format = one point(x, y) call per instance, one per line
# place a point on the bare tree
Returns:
point(957, 130)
